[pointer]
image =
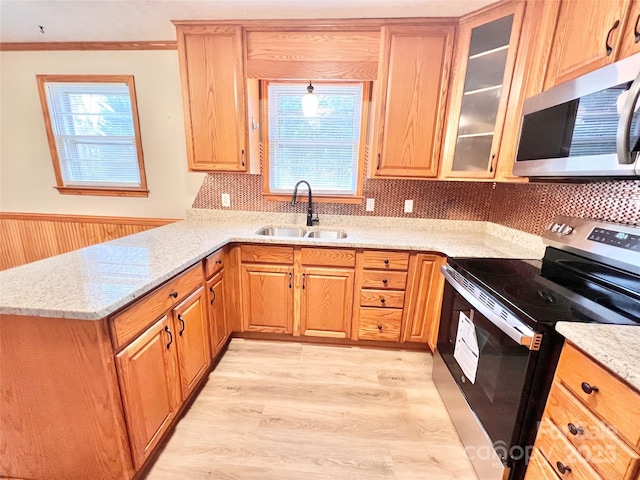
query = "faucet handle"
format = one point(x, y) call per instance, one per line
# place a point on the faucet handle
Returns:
point(315, 219)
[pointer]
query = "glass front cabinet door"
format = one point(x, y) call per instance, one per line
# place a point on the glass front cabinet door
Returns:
point(485, 53)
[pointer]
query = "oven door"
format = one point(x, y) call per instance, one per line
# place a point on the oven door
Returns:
point(492, 373)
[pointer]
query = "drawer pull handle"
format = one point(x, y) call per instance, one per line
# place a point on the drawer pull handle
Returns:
point(563, 468)
point(382, 300)
point(573, 430)
point(213, 292)
point(182, 322)
point(589, 389)
point(166, 329)
point(608, 47)
point(218, 262)
point(386, 261)
point(174, 294)
point(380, 327)
point(384, 280)
point(636, 32)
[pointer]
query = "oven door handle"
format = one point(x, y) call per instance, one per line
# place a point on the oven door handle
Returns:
point(519, 332)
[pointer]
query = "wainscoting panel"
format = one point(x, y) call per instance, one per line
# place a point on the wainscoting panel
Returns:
point(27, 237)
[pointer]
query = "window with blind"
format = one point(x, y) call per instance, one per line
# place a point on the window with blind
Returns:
point(94, 134)
point(323, 149)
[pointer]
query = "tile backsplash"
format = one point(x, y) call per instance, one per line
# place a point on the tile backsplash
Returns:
point(527, 207)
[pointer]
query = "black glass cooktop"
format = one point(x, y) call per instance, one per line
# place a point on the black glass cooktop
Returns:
point(561, 287)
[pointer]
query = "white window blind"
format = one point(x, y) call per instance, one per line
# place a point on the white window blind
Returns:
point(322, 149)
point(94, 134)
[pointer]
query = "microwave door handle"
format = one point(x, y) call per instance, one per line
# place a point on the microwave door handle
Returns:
point(624, 123)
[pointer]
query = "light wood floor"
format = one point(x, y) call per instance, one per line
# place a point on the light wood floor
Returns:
point(290, 411)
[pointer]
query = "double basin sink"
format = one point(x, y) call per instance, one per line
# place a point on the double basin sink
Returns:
point(301, 233)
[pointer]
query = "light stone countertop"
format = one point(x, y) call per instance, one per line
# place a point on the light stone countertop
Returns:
point(94, 282)
point(614, 346)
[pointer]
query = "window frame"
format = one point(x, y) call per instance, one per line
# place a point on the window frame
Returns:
point(355, 198)
point(142, 190)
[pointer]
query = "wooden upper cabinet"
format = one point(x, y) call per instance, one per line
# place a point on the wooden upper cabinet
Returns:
point(213, 92)
point(411, 100)
point(589, 35)
point(484, 61)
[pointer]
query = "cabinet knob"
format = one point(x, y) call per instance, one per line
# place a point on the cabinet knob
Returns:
point(383, 301)
point(589, 389)
point(563, 468)
point(573, 430)
point(608, 47)
point(386, 261)
point(380, 327)
point(174, 294)
point(384, 280)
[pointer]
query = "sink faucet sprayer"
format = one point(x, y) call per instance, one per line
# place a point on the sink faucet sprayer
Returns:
point(310, 219)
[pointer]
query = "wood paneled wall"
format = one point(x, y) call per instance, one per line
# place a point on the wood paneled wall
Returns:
point(27, 237)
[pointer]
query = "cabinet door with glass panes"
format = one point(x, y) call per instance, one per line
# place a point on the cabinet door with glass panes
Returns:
point(485, 57)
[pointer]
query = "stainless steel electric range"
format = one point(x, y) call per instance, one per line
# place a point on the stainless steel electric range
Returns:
point(497, 347)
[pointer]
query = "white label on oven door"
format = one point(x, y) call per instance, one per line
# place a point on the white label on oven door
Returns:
point(466, 351)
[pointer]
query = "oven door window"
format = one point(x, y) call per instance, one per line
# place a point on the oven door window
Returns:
point(496, 393)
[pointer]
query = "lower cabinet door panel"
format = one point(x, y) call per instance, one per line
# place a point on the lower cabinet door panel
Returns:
point(192, 329)
point(267, 298)
point(150, 390)
point(327, 302)
point(217, 313)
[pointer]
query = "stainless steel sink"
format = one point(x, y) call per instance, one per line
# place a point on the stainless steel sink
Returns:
point(282, 232)
point(301, 233)
point(327, 234)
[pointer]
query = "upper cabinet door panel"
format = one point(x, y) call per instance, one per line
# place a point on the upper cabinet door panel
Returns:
point(486, 51)
point(412, 99)
point(214, 97)
point(588, 36)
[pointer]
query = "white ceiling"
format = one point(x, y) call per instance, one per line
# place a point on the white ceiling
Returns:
point(131, 20)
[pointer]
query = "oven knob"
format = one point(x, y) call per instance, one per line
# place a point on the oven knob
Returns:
point(557, 227)
point(567, 230)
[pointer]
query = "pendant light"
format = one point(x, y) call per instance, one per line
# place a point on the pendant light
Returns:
point(309, 102)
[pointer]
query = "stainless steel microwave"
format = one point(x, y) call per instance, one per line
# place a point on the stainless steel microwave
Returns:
point(587, 127)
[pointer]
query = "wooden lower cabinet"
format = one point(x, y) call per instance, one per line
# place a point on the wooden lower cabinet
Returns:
point(192, 330)
point(267, 298)
point(217, 313)
point(326, 302)
point(148, 373)
point(425, 300)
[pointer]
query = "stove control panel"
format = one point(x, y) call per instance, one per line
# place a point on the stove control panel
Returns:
point(605, 242)
point(615, 238)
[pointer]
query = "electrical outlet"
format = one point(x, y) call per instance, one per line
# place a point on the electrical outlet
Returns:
point(226, 200)
point(408, 206)
point(371, 204)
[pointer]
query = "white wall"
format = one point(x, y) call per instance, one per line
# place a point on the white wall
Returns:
point(26, 172)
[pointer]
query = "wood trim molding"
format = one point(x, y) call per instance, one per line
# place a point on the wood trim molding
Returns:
point(57, 217)
point(327, 24)
point(51, 46)
point(103, 192)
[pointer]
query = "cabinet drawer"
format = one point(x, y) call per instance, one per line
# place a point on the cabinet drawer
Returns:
point(539, 468)
point(614, 401)
point(608, 455)
point(373, 259)
point(214, 263)
point(128, 324)
point(380, 324)
point(384, 280)
point(382, 298)
point(266, 254)
point(560, 453)
point(331, 257)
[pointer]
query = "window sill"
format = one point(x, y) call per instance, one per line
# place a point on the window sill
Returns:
point(302, 197)
point(103, 191)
